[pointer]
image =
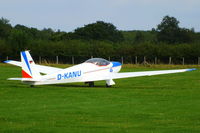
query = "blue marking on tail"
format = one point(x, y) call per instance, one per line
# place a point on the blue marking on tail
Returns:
point(26, 60)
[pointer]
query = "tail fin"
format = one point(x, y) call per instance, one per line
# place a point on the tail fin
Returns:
point(28, 66)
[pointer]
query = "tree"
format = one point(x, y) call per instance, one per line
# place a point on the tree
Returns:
point(169, 31)
point(46, 34)
point(139, 37)
point(32, 33)
point(99, 31)
point(58, 36)
point(5, 28)
point(18, 39)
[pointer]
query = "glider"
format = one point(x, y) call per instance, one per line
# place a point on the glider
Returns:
point(94, 69)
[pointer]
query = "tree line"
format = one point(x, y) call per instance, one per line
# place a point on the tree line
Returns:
point(101, 39)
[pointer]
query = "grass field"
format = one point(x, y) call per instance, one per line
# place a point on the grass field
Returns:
point(157, 104)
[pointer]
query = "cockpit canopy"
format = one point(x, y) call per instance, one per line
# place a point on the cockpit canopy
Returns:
point(98, 61)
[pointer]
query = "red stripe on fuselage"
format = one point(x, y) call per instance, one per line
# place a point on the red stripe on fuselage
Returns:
point(25, 75)
point(96, 70)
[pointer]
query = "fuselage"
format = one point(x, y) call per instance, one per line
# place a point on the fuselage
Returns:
point(84, 72)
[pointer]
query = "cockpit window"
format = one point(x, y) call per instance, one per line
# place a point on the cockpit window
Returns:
point(98, 61)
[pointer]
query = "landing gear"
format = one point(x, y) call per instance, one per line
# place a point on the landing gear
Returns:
point(109, 83)
point(91, 84)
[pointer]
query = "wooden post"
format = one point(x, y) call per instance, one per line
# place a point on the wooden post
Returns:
point(91, 56)
point(73, 60)
point(40, 60)
point(198, 60)
point(155, 60)
point(6, 57)
point(170, 60)
point(122, 60)
point(183, 61)
point(131, 60)
point(144, 59)
point(56, 59)
point(136, 60)
point(109, 58)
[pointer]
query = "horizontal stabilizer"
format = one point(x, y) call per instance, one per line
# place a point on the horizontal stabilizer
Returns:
point(40, 68)
point(24, 79)
point(12, 62)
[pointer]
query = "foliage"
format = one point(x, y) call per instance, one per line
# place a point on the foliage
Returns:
point(170, 32)
point(99, 31)
point(5, 28)
point(101, 39)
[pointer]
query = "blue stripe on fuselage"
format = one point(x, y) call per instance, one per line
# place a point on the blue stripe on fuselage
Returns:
point(116, 64)
point(26, 60)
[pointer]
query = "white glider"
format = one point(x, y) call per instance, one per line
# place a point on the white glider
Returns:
point(94, 69)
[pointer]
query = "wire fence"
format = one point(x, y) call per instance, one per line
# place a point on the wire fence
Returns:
point(122, 59)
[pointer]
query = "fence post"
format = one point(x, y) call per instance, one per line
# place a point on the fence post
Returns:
point(6, 57)
point(144, 59)
point(136, 60)
point(198, 60)
point(91, 56)
point(39, 59)
point(56, 59)
point(155, 60)
point(122, 60)
point(170, 60)
point(109, 58)
point(73, 60)
point(183, 61)
point(131, 60)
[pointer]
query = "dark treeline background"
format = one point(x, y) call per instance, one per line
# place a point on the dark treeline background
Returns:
point(101, 39)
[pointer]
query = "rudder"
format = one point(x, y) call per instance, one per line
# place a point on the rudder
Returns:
point(28, 66)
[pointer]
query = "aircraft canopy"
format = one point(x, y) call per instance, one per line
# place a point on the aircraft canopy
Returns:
point(98, 61)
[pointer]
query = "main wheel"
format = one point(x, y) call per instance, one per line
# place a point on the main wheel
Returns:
point(108, 85)
point(91, 84)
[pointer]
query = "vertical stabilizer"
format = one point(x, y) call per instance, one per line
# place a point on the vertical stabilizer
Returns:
point(28, 66)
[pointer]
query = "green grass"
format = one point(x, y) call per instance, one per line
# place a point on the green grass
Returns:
point(157, 104)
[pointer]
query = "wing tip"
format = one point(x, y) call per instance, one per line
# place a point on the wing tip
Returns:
point(7, 61)
point(192, 69)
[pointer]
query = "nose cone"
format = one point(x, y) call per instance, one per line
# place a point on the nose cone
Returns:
point(116, 64)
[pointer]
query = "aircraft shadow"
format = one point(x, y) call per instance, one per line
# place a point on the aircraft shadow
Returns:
point(77, 85)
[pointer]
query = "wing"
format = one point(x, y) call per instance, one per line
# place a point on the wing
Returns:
point(41, 68)
point(147, 73)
